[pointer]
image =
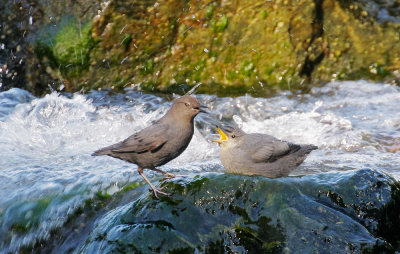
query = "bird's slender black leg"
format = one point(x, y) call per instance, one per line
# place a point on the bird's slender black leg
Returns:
point(155, 190)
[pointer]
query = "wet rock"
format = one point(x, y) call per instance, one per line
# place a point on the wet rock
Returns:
point(66, 48)
point(354, 211)
point(233, 48)
point(27, 27)
point(16, 24)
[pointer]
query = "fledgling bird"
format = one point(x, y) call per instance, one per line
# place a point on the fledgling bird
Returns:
point(161, 142)
point(259, 154)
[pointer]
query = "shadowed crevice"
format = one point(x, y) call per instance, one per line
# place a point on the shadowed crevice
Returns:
point(317, 32)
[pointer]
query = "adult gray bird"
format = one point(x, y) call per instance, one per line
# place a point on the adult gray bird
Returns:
point(259, 154)
point(161, 142)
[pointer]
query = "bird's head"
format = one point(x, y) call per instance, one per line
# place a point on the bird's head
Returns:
point(187, 107)
point(228, 135)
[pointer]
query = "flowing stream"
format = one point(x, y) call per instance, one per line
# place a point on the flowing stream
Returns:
point(47, 171)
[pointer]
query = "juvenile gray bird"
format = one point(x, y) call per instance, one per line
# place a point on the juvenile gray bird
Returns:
point(259, 154)
point(161, 142)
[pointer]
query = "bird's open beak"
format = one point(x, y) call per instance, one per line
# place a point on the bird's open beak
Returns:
point(201, 109)
point(223, 136)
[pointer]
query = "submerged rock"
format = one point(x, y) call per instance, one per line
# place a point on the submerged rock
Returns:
point(349, 212)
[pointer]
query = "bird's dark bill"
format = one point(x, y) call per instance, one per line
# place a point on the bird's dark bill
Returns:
point(223, 136)
point(201, 109)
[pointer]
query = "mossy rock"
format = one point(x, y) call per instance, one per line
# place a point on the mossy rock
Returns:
point(232, 48)
point(66, 47)
point(217, 213)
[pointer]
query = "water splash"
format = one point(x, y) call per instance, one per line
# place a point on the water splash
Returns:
point(46, 170)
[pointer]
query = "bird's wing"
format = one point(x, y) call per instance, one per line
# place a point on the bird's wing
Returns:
point(148, 139)
point(264, 148)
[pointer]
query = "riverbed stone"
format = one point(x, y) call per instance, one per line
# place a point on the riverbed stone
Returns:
point(349, 212)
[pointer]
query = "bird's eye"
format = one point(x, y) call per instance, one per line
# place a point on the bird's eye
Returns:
point(187, 104)
point(233, 136)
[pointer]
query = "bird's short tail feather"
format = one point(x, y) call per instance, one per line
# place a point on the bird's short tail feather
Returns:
point(306, 149)
point(303, 152)
point(311, 147)
point(108, 150)
point(103, 151)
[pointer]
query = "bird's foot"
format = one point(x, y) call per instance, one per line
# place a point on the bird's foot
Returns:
point(169, 176)
point(152, 188)
point(155, 191)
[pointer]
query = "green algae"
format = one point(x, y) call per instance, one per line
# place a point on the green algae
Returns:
point(126, 41)
point(28, 215)
point(148, 67)
point(264, 14)
point(219, 25)
point(246, 68)
point(218, 213)
point(67, 47)
point(232, 48)
point(76, 224)
point(209, 11)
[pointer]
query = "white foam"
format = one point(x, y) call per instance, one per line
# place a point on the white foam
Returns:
point(46, 142)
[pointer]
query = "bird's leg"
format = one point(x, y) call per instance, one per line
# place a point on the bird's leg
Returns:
point(155, 190)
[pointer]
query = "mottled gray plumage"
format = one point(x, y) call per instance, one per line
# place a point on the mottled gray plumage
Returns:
point(259, 154)
point(161, 142)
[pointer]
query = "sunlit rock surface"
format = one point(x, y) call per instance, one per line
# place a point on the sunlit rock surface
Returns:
point(232, 47)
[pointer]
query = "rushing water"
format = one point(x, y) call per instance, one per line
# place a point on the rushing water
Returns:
point(46, 170)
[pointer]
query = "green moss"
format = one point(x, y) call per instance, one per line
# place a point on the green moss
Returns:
point(182, 31)
point(378, 70)
point(260, 236)
point(197, 184)
point(269, 70)
point(29, 214)
point(246, 68)
point(130, 186)
point(173, 23)
point(181, 251)
point(220, 25)
point(209, 11)
point(20, 228)
point(102, 196)
point(67, 47)
point(264, 14)
point(72, 45)
point(148, 67)
point(126, 41)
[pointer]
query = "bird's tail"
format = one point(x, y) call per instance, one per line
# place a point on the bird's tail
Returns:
point(303, 152)
point(309, 148)
point(104, 151)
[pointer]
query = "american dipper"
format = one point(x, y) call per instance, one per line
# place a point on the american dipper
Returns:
point(259, 154)
point(161, 142)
